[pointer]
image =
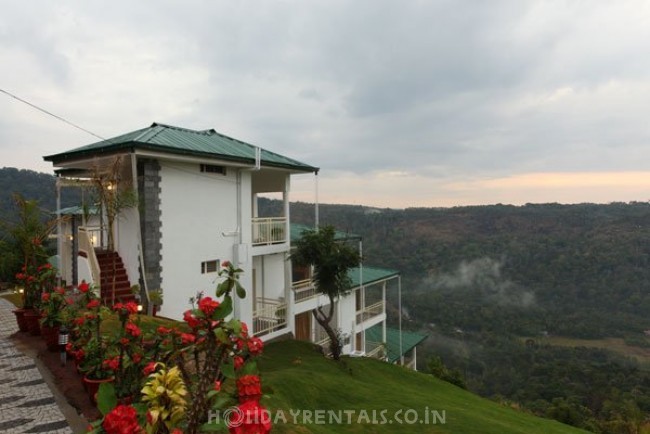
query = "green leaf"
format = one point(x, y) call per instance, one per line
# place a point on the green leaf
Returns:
point(222, 335)
point(228, 370)
point(106, 398)
point(214, 426)
point(222, 288)
point(222, 401)
point(241, 292)
point(224, 309)
point(250, 368)
point(234, 325)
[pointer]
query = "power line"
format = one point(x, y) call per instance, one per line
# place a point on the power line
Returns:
point(51, 114)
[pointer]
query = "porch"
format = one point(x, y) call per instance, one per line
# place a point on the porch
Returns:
point(270, 315)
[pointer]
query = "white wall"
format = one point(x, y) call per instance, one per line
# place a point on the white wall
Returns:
point(196, 209)
point(127, 237)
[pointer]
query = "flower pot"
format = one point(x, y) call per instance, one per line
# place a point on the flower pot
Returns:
point(51, 337)
point(20, 320)
point(92, 387)
point(32, 317)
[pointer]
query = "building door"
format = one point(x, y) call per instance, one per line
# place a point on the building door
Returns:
point(303, 326)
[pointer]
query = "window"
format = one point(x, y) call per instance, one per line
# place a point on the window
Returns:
point(209, 266)
point(211, 168)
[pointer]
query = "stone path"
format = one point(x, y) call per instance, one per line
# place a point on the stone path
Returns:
point(27, 404)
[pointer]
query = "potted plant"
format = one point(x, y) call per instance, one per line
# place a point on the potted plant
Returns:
point(52, 316)
point(156, 299)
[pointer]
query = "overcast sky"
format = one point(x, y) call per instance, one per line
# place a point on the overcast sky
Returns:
point(400, 103)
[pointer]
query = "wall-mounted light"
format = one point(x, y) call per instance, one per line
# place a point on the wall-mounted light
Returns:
point(139, 308)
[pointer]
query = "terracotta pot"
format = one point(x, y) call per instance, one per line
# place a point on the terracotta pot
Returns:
point(20, 319)
point(51, 337)
point(32, 317)
point(92, 387)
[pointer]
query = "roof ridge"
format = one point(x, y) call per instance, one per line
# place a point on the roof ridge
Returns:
point(189, 130)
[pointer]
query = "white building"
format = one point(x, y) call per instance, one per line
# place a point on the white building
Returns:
point(197, 197)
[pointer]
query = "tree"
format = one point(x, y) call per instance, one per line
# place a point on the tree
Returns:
point(331, 260)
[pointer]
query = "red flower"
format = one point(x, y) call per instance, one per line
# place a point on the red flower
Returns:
point(249, 387)
point(251, 418)
point(150, 368)
point(124, 341)
point(118, 307)
point(217, 385)
point(47, 266)
point(190, 319)
point(133, 330)
point(137, 358)
point(45, 297)
point(83, 286)
point(244, 330)
point(112, 364)
point(225, 264)
point(79, 321)
point(69, 301)
point(238, 362)
point(59, 290)
point(123, 419)
point(92, 304)
point(207, 305)
point(20, 276)
point(132, 307)
point(163, 330)
point(187, 338)
point(255, 346)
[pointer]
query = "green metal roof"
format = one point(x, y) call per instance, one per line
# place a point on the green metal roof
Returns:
point(183, 141)
point(297, 229)
point(370, 275)
point(409, 340)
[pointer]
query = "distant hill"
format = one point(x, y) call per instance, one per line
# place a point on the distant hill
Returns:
point(31, 185)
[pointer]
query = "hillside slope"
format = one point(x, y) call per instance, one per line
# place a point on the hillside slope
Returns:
point(298, 378)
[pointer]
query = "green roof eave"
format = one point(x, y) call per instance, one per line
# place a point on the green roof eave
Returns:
point(370, 275)
point(132, 146)
point(167, 139)
point(409, 340)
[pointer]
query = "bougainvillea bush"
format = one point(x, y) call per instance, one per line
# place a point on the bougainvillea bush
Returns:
point(187, 392)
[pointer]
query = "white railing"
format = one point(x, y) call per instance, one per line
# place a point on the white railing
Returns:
point(270, 315)
point(370, 312)
point(269, 230)
point(322, 339)
point(375, 349)
point(303, 290)
point(86, 246)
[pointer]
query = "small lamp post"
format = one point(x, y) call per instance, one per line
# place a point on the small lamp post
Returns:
point(63, 342)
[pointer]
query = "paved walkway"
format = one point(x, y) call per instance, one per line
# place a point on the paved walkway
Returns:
point(27, 405)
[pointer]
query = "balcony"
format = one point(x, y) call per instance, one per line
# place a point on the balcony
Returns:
point(303, 290)
point(370, 312)
point(269, 230)
point(376, 350)
point(269, 316)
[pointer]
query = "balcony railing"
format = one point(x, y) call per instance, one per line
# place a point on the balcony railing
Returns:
point(304, 290)
point(370, 312)
point(375, 349)
point(269, 230)
point(87, 247)
point(270, 315)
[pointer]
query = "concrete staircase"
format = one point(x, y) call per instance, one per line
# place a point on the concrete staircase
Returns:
point(111, 265)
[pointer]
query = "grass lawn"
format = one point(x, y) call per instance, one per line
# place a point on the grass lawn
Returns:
point(298, 378)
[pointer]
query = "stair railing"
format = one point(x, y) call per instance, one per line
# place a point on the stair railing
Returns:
point(86, 246)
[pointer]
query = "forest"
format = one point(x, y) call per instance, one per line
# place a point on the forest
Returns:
point(497, 288)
